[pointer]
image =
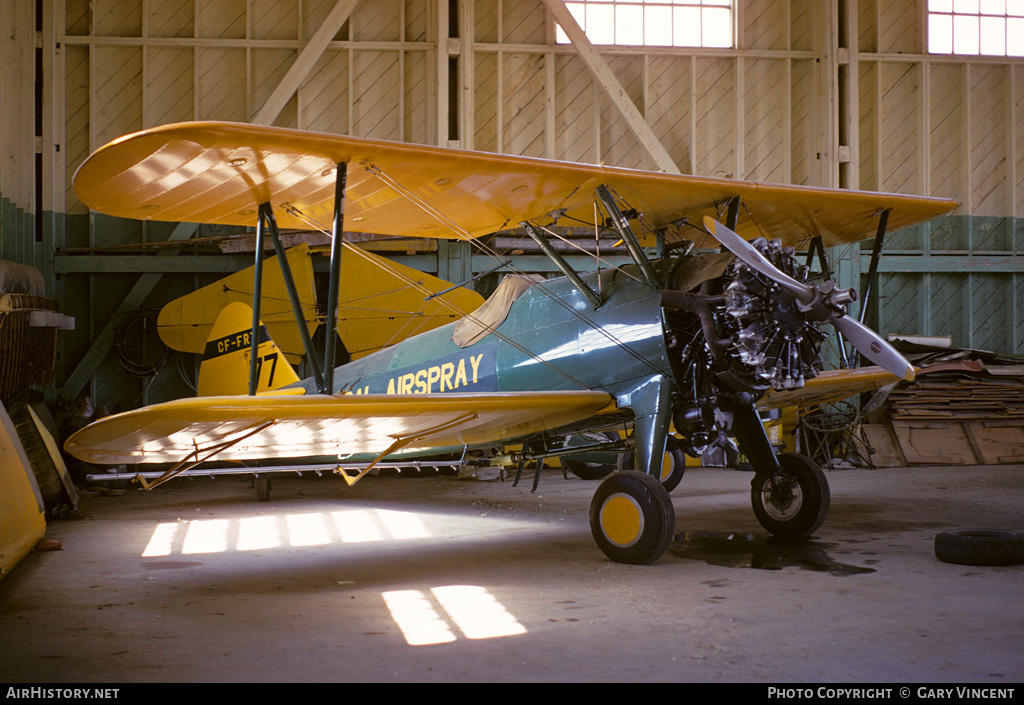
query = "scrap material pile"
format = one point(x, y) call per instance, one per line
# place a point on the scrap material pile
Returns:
point(965, 407)
point(28, 330)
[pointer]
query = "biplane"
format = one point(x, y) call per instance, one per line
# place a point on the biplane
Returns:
point(675, 346)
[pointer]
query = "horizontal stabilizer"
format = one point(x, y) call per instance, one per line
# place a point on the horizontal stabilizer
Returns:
point(185, 323)
point(380, 303)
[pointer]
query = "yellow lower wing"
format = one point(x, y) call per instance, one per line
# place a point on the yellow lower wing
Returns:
point(320, 425)
point(829, 387)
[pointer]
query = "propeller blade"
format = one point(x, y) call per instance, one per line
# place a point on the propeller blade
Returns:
point(868, 342)
point(756, 261)
point(874, 347)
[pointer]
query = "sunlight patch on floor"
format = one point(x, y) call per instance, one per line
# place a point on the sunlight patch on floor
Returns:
point(205, 536)
point(433, 619)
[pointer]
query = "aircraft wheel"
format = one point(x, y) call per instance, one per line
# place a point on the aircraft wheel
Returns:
point(588, 470)
point(263, 488)
point(794, 502)
point(632, 518)
point(672, 468)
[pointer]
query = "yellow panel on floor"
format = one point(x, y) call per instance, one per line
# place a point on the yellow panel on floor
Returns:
point(22, 519)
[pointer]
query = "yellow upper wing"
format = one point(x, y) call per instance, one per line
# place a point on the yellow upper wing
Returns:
point(312, 425)
point(211, 172)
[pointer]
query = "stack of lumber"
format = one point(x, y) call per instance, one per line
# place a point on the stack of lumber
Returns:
point(967, 390)
point(965, 409)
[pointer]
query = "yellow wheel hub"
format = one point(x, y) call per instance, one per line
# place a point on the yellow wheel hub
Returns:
point(667, 465)
point(622, 520)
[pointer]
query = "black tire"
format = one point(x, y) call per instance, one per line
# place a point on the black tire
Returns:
point(798, 504)
point(980, 547)
point(632, 518)
point(263, 488)
point(588, 470)
point(47, 476)
point(672, 469)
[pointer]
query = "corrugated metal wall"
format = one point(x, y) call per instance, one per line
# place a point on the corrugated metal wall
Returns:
point(832, 93)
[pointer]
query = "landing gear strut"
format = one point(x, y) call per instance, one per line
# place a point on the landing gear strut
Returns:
point(672, 468)
point(263, 488)
point(789, 491)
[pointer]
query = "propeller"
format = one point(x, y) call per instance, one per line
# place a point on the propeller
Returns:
point(824, 303)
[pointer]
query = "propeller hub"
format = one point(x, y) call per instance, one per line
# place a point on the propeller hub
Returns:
point(773, 331)
point(814, 302)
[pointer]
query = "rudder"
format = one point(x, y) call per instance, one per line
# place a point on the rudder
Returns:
point(225, 366)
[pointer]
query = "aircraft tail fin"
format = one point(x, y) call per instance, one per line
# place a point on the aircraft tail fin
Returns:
point(225, 365)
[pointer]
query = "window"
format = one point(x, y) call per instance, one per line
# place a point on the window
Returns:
point(669, 23)
point(981, 27)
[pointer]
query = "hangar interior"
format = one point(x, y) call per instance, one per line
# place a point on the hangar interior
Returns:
point(910, 97)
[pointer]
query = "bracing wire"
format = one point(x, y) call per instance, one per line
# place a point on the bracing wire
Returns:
point(486, 249)
point(420, 287)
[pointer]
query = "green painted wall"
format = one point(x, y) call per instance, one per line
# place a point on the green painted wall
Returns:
point(962, 276)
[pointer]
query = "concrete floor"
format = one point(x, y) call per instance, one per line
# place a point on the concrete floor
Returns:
point(382, 576)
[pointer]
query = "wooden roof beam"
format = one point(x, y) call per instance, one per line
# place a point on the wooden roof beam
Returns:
point(304, 63)
point(604, 76)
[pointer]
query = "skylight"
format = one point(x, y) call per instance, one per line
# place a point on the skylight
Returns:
point(979, 27)
point(680, 23)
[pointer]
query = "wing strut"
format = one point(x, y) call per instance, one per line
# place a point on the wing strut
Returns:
point(560, 262)
point(257, 297)
point(186, 464)
point(876, 256)
point(632, 244)
point(732, 216)
point(335, 275)
point(816, 247)
point(401, 442)
point(266, 221)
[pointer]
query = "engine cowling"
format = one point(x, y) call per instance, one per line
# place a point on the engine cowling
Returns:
point(775, 338)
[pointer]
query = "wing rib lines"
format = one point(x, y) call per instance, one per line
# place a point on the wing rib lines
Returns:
point(401, 442)
point(187, 464)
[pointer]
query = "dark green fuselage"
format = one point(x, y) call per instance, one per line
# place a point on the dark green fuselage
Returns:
point(553, 338)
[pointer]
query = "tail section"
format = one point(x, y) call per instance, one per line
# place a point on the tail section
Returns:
point(225, 366)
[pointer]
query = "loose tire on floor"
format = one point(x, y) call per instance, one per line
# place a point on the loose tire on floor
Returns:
point(798, 505)
point(672, 468)
point(980, 547)
point(47, 476)
point(631, 518)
